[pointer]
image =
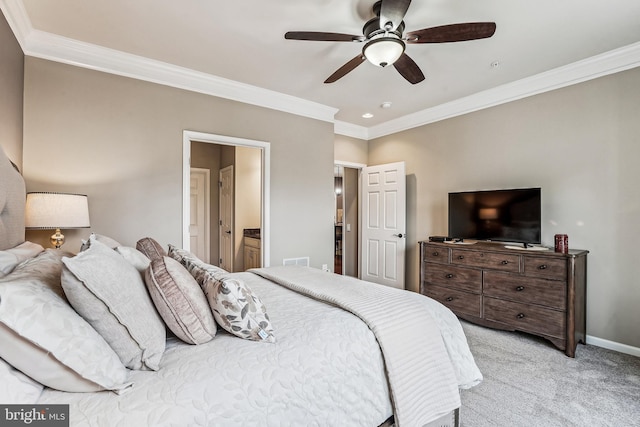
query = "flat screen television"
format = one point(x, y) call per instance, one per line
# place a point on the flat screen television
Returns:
point(511, 215)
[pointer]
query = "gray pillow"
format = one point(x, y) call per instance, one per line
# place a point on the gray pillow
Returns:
point(42, 336)
point(180, 301)
point(110, 294)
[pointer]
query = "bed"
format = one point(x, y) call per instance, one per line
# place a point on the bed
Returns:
point(163, 342)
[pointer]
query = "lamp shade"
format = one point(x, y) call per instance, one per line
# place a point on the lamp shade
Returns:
point(49, 211)
point(383, 51)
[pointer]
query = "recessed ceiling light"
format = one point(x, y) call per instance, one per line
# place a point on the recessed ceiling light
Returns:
point(367, 115)
point(386, 104)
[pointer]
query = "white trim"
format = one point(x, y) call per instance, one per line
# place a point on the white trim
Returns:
point(611, 62)
point(612, 345)
point(189, 136)
point(351, 165)
point(61, 49)
point(349, 129)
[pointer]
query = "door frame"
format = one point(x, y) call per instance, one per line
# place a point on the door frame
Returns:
point(359, 167)
point(188, 137)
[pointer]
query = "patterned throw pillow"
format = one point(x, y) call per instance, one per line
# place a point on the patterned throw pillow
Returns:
point(238, 310)
point(200, 270)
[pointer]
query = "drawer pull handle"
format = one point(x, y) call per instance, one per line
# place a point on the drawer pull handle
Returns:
point(449, 276)
point(460, 256)
point(435, 254)
point(520, 316)
point(449, 299)
point(520, 288)
point(542, 267)
point(505, 262)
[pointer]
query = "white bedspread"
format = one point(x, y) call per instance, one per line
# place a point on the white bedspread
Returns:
point(324, 370)
point(423, 380)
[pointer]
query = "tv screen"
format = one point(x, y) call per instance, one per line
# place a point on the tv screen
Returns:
point(512, 215)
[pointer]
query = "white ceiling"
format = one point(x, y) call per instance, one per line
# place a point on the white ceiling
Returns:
point(243, 41)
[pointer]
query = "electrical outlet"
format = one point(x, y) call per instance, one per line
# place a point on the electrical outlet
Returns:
point(325, 267)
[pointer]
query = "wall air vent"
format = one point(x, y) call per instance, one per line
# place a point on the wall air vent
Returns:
point(302, 261)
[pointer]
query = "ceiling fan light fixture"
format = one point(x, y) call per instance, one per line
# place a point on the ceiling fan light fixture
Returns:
point(383, 51)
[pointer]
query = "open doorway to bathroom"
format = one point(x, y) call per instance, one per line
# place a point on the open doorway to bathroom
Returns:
point(347, 217)
point(226, 218)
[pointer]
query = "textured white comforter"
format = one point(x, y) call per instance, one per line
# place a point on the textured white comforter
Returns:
point(422, 377)
point(326, 368)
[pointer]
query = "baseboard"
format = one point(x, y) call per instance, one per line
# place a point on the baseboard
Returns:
point(612, 345)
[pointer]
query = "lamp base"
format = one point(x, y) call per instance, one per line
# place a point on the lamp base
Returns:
point(57, 239)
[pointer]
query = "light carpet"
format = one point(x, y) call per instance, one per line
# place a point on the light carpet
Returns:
point(528, 382)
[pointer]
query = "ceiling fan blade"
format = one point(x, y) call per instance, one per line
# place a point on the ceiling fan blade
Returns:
point(452, 33)
point(409, 69)
point(345, 69)
point(323, 37)
point(392, 13)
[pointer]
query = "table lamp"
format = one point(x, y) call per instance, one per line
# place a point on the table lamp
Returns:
point(53, 211)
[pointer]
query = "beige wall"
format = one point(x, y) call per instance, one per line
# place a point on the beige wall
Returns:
point(119, 140)
point(248, 188)
point(351, 150)
point(11, 85)
point(581, 144)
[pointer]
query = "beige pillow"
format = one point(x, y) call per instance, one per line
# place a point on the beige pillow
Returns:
point(180, 301)
point(110, 294)
point(150, 248)
point(46, 339)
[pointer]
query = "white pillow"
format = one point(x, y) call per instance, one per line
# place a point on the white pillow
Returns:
point(16, 387)
point(134, 257)
point(11, 257)
point(44, 337)
point(110, 294)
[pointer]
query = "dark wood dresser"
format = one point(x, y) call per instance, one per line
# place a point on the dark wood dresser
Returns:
point(539, 292)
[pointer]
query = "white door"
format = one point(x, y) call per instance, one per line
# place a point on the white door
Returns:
point(383, 224)
point(226, 218)
point(199, 214)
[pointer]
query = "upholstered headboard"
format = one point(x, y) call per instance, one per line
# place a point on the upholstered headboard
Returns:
point(12, 201)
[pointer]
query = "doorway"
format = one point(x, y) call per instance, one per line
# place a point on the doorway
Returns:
point(238, 150)
point(347, 219)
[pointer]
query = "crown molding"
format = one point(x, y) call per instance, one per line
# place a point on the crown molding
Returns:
point(19, 22)
point(61, 49)
point(349, 129)
point(56, 48)
point(611, 62)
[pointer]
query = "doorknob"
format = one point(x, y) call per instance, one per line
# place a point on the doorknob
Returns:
point(399, 235)
point(228, 231)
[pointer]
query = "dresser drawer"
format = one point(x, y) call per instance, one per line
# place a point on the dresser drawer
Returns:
point(552, 268)
point(526, 317)
point(493, 260)
point(434, 253)
point(464, 279)
point(457, 301)
point(549, 293)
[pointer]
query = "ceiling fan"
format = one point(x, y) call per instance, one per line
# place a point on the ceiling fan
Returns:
point(385, 43)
